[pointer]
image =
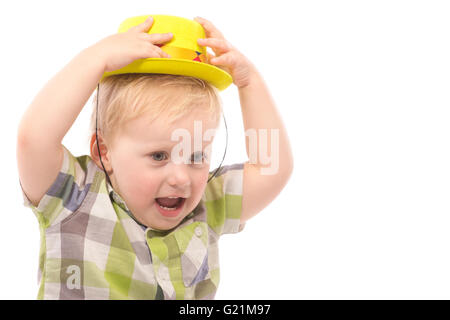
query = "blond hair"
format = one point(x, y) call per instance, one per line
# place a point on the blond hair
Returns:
point(125, 97)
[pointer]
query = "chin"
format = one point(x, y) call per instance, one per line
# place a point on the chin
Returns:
point(165, 224)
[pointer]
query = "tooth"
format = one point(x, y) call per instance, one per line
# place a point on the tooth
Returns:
point(165, 208)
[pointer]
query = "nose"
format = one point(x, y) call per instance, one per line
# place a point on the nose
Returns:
point(178, 176)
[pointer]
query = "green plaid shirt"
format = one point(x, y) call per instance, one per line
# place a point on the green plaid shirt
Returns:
point(92, 247)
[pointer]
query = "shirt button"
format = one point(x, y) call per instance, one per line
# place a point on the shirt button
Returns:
point(198, 231)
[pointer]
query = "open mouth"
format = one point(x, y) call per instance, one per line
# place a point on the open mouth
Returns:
point(171, 203)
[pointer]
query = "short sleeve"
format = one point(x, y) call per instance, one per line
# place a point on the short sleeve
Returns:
point(66, 193)
point(223, 200)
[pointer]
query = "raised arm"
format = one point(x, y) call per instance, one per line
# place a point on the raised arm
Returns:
point(47, 120)
point(271, 161)
point(56, 107)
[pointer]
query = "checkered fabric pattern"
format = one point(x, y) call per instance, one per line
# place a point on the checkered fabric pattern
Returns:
point(93, 248)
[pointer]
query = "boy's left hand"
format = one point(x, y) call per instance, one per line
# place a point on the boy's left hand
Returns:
point(226, 56)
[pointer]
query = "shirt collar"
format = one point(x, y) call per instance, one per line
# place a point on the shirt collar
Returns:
point(114, 196)
point(117, 198)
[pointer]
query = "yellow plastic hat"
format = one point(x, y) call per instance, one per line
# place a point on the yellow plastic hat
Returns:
point(187, 58)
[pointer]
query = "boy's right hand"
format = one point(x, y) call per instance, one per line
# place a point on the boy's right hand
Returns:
point(119, 50)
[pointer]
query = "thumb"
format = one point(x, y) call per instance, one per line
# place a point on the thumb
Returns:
point(144, 26)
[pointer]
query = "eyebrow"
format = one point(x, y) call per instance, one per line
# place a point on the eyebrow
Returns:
point(160, 144)
point(165, 146)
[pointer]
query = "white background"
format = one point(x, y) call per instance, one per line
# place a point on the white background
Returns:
point(364, 91)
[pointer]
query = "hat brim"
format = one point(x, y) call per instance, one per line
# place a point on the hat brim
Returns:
point(212, 74)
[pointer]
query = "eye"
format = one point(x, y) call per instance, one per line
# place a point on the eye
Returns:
point(198, 157)
point(159, 156)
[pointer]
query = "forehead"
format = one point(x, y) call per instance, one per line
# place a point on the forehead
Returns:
point(161, 129)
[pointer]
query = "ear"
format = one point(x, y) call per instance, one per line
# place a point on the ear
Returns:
point(103, 151)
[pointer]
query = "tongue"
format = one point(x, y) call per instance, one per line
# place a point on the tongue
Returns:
point(166, 202)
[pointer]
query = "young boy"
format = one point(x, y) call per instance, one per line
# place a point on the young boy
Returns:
point(130, 222)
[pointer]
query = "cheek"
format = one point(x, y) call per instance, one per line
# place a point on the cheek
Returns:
point(137, 182)
point(146, 183)
point(199, 183)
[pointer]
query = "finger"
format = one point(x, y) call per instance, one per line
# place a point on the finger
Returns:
point(160, 38)
point(152, 51)
point(219, 45)
point(142, 27)
point(209, 57)
point(151, 37)
point(223, 60)
point(161, 53)
point(144, 36)
point(210, 30)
